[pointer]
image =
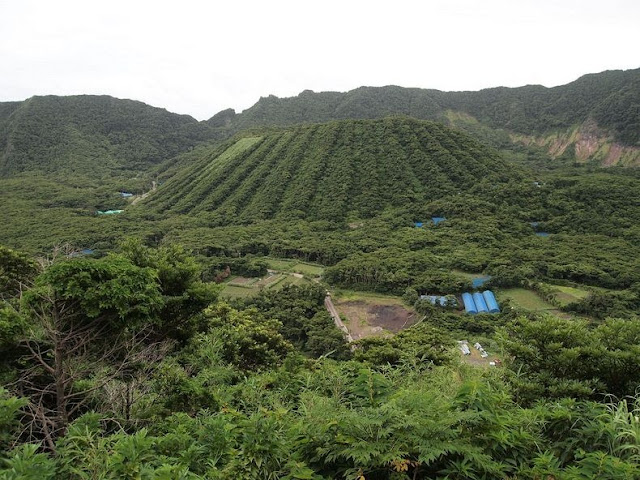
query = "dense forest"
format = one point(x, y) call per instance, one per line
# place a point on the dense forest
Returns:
point(92, 136)
point(191, 334)
point(595, 118)
point(611, 98)
point(129, 366)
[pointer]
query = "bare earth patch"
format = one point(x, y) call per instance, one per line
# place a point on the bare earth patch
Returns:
point(368, 319)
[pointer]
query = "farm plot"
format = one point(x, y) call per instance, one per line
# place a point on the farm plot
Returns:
point(294, 266)
point(528, 300)
point(243, 287)
point(368, 316)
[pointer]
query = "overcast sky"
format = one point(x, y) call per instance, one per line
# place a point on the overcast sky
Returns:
point(199, 57)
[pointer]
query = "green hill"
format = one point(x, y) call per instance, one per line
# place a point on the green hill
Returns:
point(333, 171)
point(596, 117)
point(92, 136)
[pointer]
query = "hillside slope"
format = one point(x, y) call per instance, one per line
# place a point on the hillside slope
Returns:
point(606, 104)
point(333, 171)
point(91, 135)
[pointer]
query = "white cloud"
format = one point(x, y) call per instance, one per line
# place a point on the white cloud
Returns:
point(198, 57)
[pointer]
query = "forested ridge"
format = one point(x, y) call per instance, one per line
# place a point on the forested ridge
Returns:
point(96, 136)
point(610, 97)
point(91, 136)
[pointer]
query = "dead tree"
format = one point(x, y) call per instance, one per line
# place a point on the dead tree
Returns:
point(64, 348)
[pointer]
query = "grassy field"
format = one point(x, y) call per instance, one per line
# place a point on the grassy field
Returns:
point(232, 291)
point(567, 295)
point(378, 298)
point(294, 266)
point(240, 287)
point(291, 280)
point(527, 299)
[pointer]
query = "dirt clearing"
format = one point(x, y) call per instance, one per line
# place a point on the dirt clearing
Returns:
point(367, 318)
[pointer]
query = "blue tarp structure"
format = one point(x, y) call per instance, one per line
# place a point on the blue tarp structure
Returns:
point(491, 301)
point(469, 304)
point(439, 300)
point(418, 224)
point(437, 220)
point(477, 302)
point(126, 194)
point(535, 226)
point(481, 305)
point(477, 282)
point(81, 253)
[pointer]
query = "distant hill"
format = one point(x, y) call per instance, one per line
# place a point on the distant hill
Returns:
point(333, 171)
point(92, 135)
point(593, 119)
point(596, 117)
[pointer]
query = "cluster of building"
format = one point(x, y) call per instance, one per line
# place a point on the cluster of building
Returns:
point(449, 301)
point(477, 302)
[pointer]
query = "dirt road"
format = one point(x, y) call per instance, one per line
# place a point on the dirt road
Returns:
point(336, 318)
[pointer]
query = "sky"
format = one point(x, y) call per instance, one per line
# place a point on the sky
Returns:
point(200, 57)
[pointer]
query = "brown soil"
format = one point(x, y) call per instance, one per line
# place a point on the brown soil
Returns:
point(241, 280)
point(476, 359)
point(365, 319)
point(391, 317)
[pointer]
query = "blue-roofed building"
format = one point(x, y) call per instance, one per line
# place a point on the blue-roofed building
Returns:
point(440, 300)
point(477, 302)
point(481, 305)
point(126, 194)
point(418, 224)
point(437, 220)
point(492, 303)
point(469, 304)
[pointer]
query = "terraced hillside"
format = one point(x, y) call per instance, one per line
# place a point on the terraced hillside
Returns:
point(333, 171)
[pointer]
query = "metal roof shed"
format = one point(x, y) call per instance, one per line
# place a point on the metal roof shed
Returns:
point(469, 304)
point(491, 301)
point(481, 305)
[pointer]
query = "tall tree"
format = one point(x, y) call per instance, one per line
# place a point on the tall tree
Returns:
point(86, 323)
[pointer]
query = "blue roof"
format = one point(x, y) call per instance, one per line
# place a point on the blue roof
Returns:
point(492, 303)
point(437, 220)
point(543, 234)
point(418, 224)
point(477, 282)
point(469, 304)
point(481, 304)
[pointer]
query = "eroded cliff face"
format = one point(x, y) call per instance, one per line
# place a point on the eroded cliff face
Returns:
point(590, 144)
